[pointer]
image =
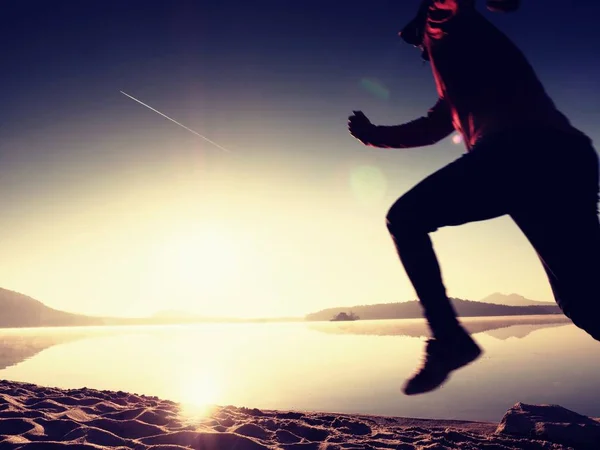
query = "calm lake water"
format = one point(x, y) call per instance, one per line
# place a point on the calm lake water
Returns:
point(355, 367)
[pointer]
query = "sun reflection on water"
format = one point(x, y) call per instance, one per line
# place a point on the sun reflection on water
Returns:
point(321, 366)
point(199, 391)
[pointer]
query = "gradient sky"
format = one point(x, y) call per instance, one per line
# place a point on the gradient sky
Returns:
point(108, 208)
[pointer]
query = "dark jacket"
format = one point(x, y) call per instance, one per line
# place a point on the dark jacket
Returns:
point(485, 84)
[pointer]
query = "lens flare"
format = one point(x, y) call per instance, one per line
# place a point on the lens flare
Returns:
point(375, 88)
point(368, 184)
point(457, 139)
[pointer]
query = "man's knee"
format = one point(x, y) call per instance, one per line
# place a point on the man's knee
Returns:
point(405, 218)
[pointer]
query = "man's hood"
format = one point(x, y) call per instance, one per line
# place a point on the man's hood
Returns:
point(438, 12)
point(412, 33)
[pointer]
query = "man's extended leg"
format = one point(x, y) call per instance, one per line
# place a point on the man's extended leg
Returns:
point(568, 245)
point(467, 190)
point(559, 216)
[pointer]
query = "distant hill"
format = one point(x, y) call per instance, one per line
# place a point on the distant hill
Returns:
point(180, 316)
point(413, 310)
point(18, 310)
point(513, 300)
point(21, 311)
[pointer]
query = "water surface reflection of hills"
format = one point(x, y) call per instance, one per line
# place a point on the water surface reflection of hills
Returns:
point(20, 344)
point(497, 327)
point(17, 345)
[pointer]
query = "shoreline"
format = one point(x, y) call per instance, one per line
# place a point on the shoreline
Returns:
point(524, 319)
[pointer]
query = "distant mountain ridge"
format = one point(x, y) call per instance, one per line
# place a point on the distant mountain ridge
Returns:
point(19, 311)
point(412, 310)
point(498, 298)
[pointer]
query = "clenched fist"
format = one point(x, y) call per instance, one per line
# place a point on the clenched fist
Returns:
point(361, 127)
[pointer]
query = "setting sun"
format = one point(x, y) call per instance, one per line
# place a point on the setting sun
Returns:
point(194, 261)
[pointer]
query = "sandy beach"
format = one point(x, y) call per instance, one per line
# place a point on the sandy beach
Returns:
point(34, 417)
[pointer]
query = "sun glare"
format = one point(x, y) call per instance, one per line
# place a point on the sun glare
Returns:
point(199, 392)
point(194, 262)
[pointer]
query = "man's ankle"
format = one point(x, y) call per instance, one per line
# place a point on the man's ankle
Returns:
point(448, 333)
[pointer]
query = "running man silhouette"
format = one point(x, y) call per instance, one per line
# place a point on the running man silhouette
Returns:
point(524, 159)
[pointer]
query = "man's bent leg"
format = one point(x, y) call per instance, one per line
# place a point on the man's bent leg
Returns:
point(420, 262)
point(466, 190)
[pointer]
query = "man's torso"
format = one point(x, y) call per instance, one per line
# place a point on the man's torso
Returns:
point(484, 77)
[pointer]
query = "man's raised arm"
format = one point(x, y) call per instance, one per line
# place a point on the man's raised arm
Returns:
point(427, 130)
